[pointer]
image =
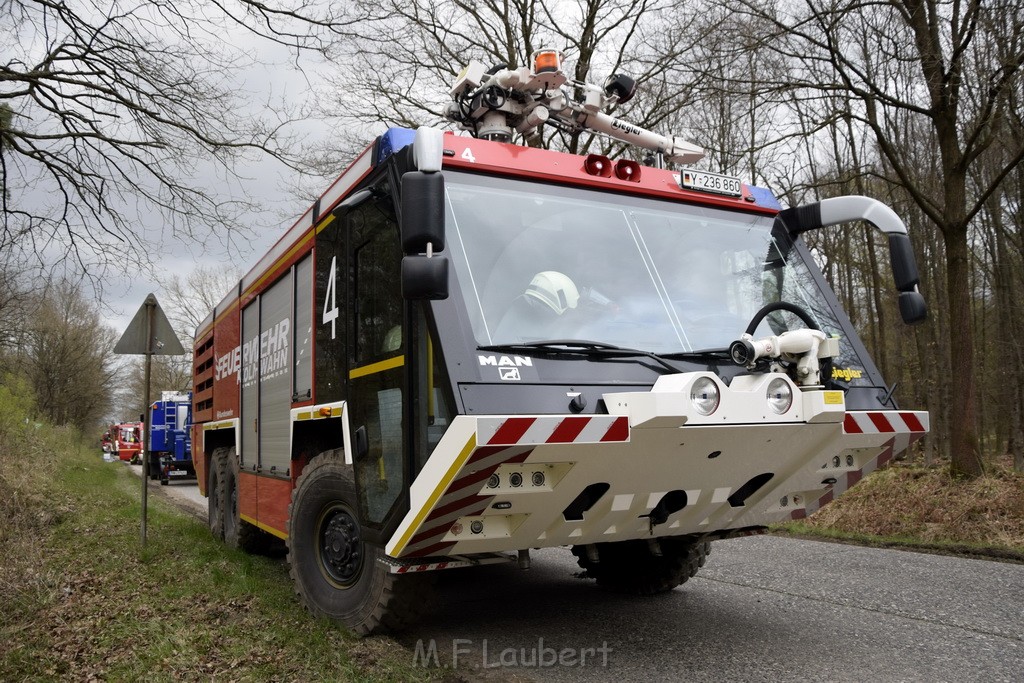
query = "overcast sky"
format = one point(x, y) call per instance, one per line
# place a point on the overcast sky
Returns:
point(269, 181)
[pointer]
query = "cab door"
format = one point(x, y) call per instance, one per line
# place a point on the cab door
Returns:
point(377, 363)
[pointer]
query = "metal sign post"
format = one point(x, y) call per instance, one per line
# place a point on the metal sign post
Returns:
point(149, 333)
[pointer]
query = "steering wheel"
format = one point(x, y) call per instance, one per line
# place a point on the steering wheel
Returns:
point(781, 306)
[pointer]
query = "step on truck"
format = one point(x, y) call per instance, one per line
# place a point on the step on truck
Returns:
point(469, 348)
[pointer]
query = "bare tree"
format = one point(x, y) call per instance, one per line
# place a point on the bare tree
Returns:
point(15, 303)
point(402, 77)
point(167, 373)
point(116, 114)
point(737, 113)
point(188, 300)
point(930, 81)
point(67, 357)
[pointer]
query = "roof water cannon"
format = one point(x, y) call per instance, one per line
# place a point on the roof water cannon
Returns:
point(496, 104)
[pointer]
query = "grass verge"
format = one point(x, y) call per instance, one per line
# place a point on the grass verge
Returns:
point(913, 506)
point(83, 602)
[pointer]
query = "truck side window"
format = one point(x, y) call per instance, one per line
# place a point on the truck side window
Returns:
point(376, 370)
point(378, 297)
point(302, 331)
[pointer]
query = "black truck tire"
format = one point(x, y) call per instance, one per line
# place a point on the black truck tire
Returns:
point(631, 566)
point(337, 574)
point(215, 494)
point(238, 533)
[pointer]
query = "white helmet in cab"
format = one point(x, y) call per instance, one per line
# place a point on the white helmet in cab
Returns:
point(555, 289)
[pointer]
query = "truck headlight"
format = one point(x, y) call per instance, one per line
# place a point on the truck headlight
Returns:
point(704, 395)
point(780, 395)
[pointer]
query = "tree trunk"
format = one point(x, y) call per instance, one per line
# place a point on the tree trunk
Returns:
point(965, 456)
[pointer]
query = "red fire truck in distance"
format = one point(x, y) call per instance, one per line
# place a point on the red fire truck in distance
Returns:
point(466, 349)
point(126, 441)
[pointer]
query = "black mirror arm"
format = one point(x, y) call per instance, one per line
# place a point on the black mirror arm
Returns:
point(856, 208)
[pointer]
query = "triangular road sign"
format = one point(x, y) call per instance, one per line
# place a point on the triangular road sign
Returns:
point(135, 339)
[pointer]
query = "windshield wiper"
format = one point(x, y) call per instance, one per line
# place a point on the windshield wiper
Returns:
point(702, 355)
point(581, 346)
point(554, 344)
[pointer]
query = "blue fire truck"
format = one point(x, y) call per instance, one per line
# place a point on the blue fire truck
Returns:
point(170, 441)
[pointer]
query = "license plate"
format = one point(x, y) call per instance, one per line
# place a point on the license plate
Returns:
point(178, 473)
point(703, 181)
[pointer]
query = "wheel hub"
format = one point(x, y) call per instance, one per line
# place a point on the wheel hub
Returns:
point(341, 546)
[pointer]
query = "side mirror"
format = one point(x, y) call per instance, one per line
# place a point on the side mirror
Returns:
point(904, 267)
point(425, 277)
point(913, 309)
point(422, 212)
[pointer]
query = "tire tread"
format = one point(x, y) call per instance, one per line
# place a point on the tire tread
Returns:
point(402, 599)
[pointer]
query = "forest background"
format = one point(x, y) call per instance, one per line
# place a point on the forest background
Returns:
point(112, 112)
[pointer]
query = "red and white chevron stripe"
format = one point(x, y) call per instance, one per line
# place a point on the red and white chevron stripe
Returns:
point(511, 431)
point(453, 562)
point(905, 427)
point(406, 569)
point(882, 423)
point(505, 440)
point(462, 499)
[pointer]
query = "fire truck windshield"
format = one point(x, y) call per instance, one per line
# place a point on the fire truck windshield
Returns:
point(540, 262)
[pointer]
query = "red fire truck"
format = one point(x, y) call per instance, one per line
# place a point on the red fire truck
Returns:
point(468, 348)
point(126, 441)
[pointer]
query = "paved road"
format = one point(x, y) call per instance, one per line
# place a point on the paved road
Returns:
point(762, 609)
point(183, 493)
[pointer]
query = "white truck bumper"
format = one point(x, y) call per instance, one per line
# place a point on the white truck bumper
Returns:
point(501, 483)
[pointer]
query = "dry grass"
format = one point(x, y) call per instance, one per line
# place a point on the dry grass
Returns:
point(911, 504)
point(81, 601)
point(28, 458)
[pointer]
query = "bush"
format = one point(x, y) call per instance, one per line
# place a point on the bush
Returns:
point(17, 405)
